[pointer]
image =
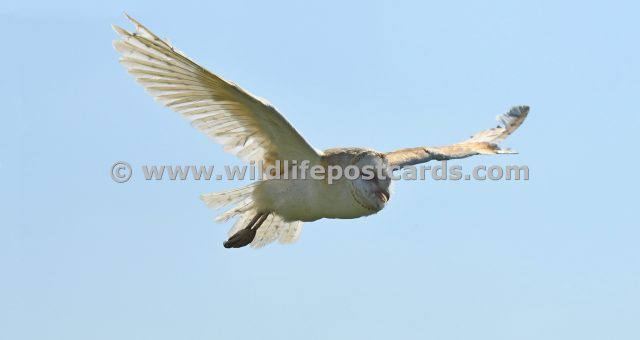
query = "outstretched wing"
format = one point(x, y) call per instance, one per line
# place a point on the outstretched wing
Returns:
point(248, 127)
point(483, 142)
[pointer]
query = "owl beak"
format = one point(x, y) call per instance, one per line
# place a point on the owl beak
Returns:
point(383, 195)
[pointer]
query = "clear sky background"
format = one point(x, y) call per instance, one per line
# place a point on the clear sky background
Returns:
point(555, 257)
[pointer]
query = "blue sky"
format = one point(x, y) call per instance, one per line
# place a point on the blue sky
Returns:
point(555, 257)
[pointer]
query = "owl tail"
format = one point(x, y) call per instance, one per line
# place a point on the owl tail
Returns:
point(253, 227)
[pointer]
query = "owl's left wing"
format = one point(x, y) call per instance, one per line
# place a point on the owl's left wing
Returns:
point(484, 142)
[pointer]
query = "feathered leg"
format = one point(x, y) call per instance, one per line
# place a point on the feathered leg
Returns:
point(245, 236)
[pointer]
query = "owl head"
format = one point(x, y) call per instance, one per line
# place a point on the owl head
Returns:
point(371, 189)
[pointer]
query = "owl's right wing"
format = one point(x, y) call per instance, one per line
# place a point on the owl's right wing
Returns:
point(248, 127)
point(483, 142)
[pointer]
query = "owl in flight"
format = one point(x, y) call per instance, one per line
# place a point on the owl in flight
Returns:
point(252, 129)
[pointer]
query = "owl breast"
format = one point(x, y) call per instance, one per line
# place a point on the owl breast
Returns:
point(309, 200)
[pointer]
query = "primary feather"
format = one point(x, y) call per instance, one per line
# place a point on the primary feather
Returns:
point(482, 143)
point(248, 127)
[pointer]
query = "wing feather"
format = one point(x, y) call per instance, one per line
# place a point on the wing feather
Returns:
point(248, 126)
point(483, 142)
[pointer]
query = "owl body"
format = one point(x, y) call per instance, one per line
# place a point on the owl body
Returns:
point(310, 199)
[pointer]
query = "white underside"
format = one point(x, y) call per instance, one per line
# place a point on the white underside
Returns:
point(290, 202)
point(308, 200)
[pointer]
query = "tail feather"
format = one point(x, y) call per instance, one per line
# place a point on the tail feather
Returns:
point(242, 206)
point(276, 228)
point(217, 200)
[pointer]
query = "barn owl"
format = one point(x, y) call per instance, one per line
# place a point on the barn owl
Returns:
point(252, 129)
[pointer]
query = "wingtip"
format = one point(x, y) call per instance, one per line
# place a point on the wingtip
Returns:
point(120, 31)
point(524, 109)
point(134, 21)
point(519, 110)
point(514, 115)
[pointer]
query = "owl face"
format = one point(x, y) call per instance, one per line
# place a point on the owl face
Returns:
point(371, 188)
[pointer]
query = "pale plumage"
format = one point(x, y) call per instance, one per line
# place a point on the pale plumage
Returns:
point(482, 143)
point(252, 129)
point(248, 127)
